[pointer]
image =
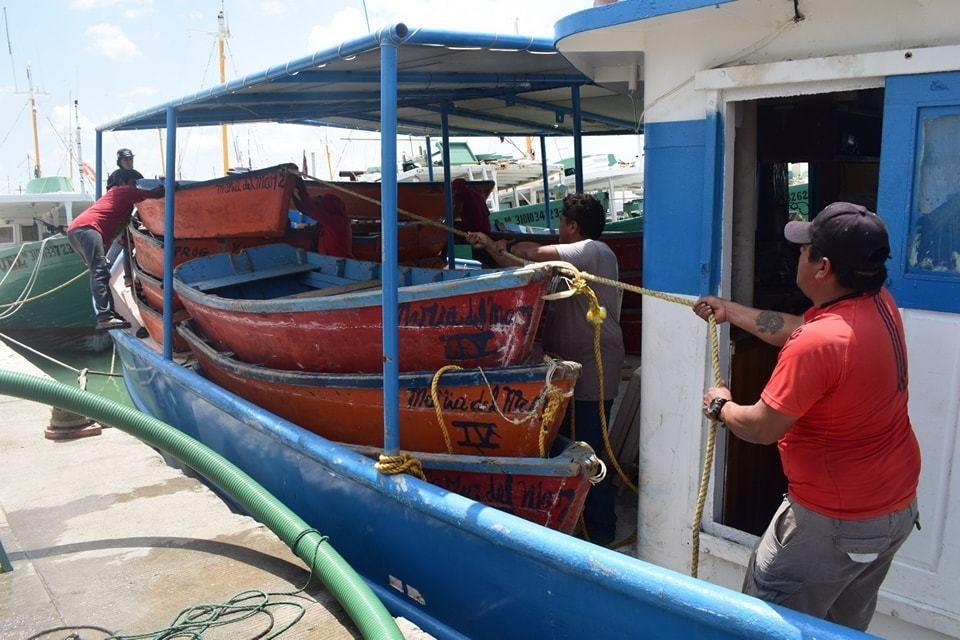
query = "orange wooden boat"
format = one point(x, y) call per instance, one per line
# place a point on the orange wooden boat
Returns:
point(152, 320)
point(416, 242)
point(152, 289)
point(149, 248)
point(479, 406)
point(422, 198)
point(240, 205)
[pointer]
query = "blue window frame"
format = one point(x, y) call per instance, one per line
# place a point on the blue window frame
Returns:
point(920, 189)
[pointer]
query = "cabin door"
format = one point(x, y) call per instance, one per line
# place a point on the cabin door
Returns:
point(792, 157)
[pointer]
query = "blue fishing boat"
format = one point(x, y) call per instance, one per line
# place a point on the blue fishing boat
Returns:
point(457, 568)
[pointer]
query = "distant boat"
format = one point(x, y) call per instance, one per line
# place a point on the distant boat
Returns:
point(498, 412)
point(284, 308)
point(35, 258)
point(250, 204)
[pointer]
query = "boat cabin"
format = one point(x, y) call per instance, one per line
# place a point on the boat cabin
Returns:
point(757, 112)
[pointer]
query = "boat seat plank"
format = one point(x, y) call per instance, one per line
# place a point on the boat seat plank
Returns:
point(334, 291)
point(251, 276)
point(319, 279)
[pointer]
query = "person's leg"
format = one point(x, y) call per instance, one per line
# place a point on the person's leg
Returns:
point(89, 244)
point(600, 507)
point(855, 606)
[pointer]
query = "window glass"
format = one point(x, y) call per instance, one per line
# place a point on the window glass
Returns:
point(6, 235)
point(28, 233)
point(934, 244)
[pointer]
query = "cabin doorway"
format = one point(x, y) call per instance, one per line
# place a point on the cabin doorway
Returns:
point(792, 157)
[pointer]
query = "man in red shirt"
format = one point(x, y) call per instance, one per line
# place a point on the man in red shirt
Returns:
point(336, 236)
point(95, 229)
point(836, 404)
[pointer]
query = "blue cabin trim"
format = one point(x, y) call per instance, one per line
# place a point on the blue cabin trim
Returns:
point(919, 196)
point(683, 205)
point(623, 12)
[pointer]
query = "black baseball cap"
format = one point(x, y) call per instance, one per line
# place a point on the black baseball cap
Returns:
point(852, 236)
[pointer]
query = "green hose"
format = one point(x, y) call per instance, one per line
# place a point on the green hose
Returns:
point(359, 601)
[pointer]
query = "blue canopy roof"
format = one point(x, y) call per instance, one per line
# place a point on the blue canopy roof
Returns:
point(491, 85)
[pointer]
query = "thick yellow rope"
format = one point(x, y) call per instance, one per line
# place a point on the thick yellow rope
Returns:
point(435, 396)
point(400, 463)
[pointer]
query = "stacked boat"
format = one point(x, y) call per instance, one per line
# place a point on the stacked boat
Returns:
point(300, 334)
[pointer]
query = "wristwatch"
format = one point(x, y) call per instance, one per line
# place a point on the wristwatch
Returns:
point(714, 408)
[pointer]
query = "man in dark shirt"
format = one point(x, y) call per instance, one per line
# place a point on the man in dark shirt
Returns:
point(96, 228)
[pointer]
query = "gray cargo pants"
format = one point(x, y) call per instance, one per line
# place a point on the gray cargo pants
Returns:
point(823, 566)
point(87, 242)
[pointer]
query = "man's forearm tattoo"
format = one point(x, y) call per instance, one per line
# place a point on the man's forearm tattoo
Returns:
point(769, 322)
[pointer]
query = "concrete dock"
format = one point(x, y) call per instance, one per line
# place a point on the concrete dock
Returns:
point(101, 532)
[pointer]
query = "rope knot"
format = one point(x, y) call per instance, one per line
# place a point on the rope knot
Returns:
point(400, 463)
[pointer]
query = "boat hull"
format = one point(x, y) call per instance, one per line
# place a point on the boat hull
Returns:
point(422, 198)
point(63, 320)
point(416, 243)
point(454, 567)
point(349, 407)
point(242, 205)
point(480, 321)
point(149, 248)
point(152, 290)
point(153, 322)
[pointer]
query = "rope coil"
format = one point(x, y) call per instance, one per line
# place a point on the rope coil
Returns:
point(400, 463)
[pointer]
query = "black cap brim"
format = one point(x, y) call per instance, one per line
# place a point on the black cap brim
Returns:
point(798, 232)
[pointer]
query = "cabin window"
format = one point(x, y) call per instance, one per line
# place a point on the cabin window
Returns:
point(792, 157)
point(28, 233)
point(934, 242)
point(6, 235)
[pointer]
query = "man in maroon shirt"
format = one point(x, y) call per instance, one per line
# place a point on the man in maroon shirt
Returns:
point(470, 206)
point(95, 229)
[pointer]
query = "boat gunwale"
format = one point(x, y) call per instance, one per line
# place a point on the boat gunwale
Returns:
point(289, 167)
point(509, 278)
point(465, 377)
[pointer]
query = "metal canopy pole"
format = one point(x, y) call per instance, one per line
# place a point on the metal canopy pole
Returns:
point(447, 181)
point(98, 187)
point(388, 233)
point(577, 138)
point(429, 160)
point(546, 183)
point(168, 237)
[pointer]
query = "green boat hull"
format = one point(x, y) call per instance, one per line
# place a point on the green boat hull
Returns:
point(63, 320)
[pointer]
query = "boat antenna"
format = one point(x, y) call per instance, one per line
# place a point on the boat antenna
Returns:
point(223, 32)
point(76, 113)
point(13, 67)
point(366, 16)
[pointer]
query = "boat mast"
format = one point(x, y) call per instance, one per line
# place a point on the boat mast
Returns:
point(13, 67)
point(223, 32)
point(76, 112)
point(33, 114)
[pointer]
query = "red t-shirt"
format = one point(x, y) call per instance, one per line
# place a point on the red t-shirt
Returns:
point(852, 453)
point(474, 214)
point(111, 212)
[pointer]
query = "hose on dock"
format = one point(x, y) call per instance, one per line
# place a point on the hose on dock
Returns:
point(358, 600)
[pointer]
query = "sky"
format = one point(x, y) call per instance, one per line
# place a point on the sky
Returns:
point(116, 57)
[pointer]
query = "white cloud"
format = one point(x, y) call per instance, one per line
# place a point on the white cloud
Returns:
point(346, 24)
point(131, 8)
point(87, 5)
point(139, 92)
point(273, 8)
point(195, 16)
point(111, 41)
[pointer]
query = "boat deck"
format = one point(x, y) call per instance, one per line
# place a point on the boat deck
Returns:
point(100, 531)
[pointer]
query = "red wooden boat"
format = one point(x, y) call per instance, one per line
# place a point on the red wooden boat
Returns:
point(479, 407)
point(283, 308)
point(549, 491)
point(149, 248)
point(152, 289)
point(152, 320)
point(422, 198)
point(416, 242)
point(240, 205)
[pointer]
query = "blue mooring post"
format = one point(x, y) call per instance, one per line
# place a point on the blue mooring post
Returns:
point(429, 160)
point(577, 138)
point(168, 237)
point(447, 181)
point(546, 182)
point(5, 565)
point(98, 187)
point(388, 232)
